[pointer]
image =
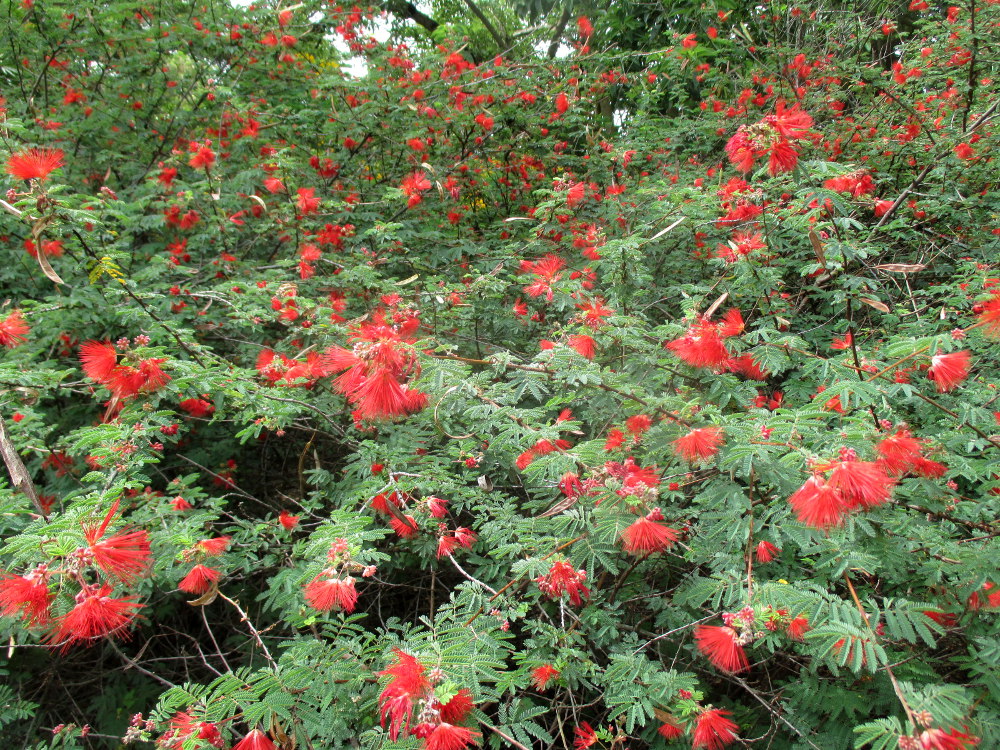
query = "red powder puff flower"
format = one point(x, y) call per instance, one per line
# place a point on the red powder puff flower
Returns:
point(899, 451)
point(413, 185)
point(199, 580)
point(585, 28)
point(583, 736)
point(98, 359)
point(203, 156)
point(797, 627)
point(939, 739)
point(563, 578)
point(458, 708)
point(213, 547)
point(404, 527)
point(34, 163)
point(783, 158)
point(700, 346)
point(638, 424)
point(766, 552)
point(13, 330)
point(817, 504)
point(583, 345)
point(721, 644)
point(307, 201)
point(197, 407)
point(862, 484)
point(407, 683)
point(791, 123)
point(445, 736)
point(712, 730)
point(989, 316)
point(732, 323)
point(325, 594)
point(287, 520)
point(184, 727)
point(948, 370)
point(125, 556)
point(96, 614)
point(543, 675)
point(28, 595)
point(256, 740)
point(699, 444)
point(645, 536)
point(670, 729)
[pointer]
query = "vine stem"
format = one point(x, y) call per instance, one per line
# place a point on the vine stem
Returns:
point(910, 716)
point(253, 631)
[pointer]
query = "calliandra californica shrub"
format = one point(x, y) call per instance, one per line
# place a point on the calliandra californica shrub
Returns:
point(378, 380)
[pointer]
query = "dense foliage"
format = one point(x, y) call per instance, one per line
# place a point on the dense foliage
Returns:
point(527, 375)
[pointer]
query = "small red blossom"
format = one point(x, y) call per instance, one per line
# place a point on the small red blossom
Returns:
point(255, 740)
point(324, 593)
point(199, 580)
point(712, 730)
point(541, 676)
point(34, 163)
point(949, 370)
point(698, 444)
point(27, 595)
point(646, 536)
point(96, 614)
point(13, 329)
point(721, 644)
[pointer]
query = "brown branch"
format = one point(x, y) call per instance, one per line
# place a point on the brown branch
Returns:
point(18, 473)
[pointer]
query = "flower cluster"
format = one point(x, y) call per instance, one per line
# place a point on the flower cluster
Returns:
point(375, 371)
point(411, 704)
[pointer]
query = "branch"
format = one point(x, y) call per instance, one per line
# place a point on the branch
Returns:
point(18, 473)
point(486, 22)
point(409, 10)
point(558, 32)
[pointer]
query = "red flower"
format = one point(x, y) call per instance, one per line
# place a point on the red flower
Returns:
point(563, 578)
point(698, 444)
point(783, 158)
point(98, 359)
point(203, 156)
point(818, 504)
point(861, 483)
point(645, 536)
point(899, 451)
point(583, 736)
point(543, 675)
point(287, 520)
point(713, 730)
point(445, 736)
point(28, 595)
point(990, 315)
point(213, 547)
point(307, 201)
point(939, 739)
point(700, 346)
point(184, 727)
point(199, 580)
point(721, 645)
point(408, 682)
point(948, 370)
point(583, 345)
point(458, 708)
point(13, 330)
point(669, 730)
point(95, 615)
point(34, 163)
point(585, 28)
point(413, 186)
point(325, 594)
point(766, 551)
point(797, 627)
point(125, 556)
point(576, 194)
point(256, 740)
point(197, 407)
